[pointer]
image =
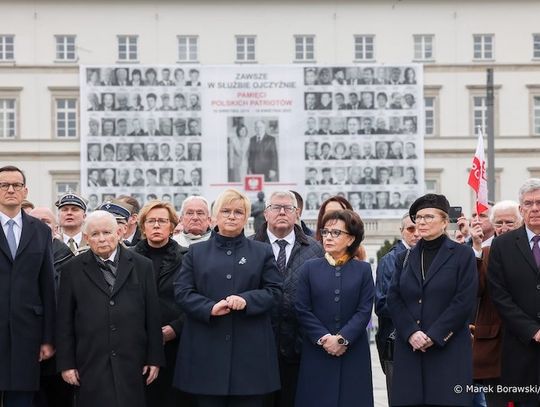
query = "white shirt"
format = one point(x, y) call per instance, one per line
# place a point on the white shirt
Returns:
point(290, 239)
point(111, 257)
point(17, 227)
point(77, 238)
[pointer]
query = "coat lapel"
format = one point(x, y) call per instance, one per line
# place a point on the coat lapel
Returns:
point(4, 244)
point(444, 253)
point(414, 258)
point(92, 270)
point(125, 265)
point(27, 232)
point(524, 246)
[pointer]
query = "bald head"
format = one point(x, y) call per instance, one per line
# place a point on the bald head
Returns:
point(45, 215)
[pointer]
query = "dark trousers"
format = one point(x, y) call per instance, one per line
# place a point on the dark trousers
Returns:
point(53, 392)
point(229, 401)
point(17, 398)
point(288, 371)
point(388, 367)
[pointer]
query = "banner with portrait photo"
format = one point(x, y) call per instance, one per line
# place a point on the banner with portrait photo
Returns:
point(170, 131)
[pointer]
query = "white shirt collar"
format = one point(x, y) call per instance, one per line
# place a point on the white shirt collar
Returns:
point(111, 257)
point(18, 219)
point(290, 238)
point(77, 238)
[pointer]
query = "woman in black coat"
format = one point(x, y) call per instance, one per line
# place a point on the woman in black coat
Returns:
point(157, 221)
point(431, 297)
point(227, 288)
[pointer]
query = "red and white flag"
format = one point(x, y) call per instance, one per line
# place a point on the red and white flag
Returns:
point(477, 176)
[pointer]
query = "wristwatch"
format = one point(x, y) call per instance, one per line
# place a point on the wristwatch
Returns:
point(342, 341)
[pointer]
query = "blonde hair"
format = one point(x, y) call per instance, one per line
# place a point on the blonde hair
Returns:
point(155, 204)
point(227, 197)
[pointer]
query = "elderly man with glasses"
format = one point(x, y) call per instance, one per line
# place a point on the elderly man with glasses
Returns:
point(195, 221)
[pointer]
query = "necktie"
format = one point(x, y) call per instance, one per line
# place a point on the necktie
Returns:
point(12, 243)
point(536, 250)
point(109, 272)
point(72, 245)
point(282, 256)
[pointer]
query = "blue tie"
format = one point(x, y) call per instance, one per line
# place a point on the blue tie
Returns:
point(282, 256)
point(12, 243)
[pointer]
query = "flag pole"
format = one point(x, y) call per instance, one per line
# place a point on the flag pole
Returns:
point(490, 98)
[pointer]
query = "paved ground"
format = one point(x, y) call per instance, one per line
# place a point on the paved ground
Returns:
point(379, 383)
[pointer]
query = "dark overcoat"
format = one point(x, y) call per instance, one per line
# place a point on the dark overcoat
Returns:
point(439, 306)
point(233, 354)
point(514, 281)
point(109, 336)
point(335, 300)
point(27, 305)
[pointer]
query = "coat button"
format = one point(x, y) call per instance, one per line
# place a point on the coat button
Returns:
point(227, 337)
point(113, 353)
point(418, 321)
point(336, 291)
point(113, 327)
point(111, 302)
point(420, 301)
point(538, 286)
point(338, 268)
point(336, 298)
point(228, 276)
point(229, 252)
point(538, 315)
point(338, 274)
point(337, 318)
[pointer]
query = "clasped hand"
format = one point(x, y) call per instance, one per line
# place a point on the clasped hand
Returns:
point(331, 345)
point(231, 303)
point(420, 341)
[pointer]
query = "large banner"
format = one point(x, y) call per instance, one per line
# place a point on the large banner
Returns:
point(168, 132)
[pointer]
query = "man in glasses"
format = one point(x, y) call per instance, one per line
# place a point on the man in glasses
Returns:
point(385, 270)
point(195, 221)
point(27, 300)
point(291, 248)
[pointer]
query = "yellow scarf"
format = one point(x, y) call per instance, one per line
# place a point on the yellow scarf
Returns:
point(339, 262)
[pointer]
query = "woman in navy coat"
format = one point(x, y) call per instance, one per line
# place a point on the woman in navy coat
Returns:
point(227, 287)
point(431, 297)
point(334, 302)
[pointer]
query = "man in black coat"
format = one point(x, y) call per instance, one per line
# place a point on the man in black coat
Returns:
point(108, 333)
point(262, 154)
point(27, 306)
point(281, 214)
point(513, 270)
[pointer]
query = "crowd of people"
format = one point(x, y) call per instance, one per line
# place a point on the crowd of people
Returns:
point(146, 306)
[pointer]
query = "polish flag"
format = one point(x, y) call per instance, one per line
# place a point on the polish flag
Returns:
point(477, 176)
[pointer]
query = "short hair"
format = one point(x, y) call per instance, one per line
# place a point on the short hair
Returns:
point(143, 214)
point(403, 218)
point(353, 224)
point(229, 195)
point(503, 206)
point(97, 215)
point(283, 194)
point(132, 201)
point(151, 171)
point(194, 198)
point(299, 199)
point(532, 184)
point(336, 198)
point(25, 204)
point(151, 95)
point(12, 168)
point(136, 71)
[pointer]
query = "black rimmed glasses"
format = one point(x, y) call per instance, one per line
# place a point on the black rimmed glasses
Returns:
point(17, 186)
point(335, 233)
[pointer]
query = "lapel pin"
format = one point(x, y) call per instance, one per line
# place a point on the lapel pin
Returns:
point(242, 261)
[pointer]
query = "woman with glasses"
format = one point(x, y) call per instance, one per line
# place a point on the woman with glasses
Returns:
point(157, 221)
point(430, 300)
point(334, 299)
point(228, 287)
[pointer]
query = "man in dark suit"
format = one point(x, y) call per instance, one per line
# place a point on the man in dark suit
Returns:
point(27, 304)
point(108, 330)
point(513, 269)
point(262, 154)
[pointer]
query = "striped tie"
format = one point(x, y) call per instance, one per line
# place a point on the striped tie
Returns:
point(282, 256)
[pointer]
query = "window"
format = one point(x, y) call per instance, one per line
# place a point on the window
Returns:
point(364, 47)
point(127, 48)
point(245, 48)
point(483, 46)
point(423, 47)
point(66, 117)
point(8, 114)
point(479, 114)
point(188, 48)
point(429, 104)
point(65, 48)
point(62, 182)
point(62, 188)
point(478, 109)
point(536, 46)
point(432, 180)
point(304, 48)
point(431, 110)
point(7, 50)
point(536, 115)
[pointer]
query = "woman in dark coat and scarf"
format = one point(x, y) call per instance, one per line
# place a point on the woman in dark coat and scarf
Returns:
point(157, 221)
point(431, 297)
point(227, 288)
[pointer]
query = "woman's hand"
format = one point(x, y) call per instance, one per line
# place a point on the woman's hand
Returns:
point(332, 347)
point(220, 308)
point(419, 341)
point(235, 302)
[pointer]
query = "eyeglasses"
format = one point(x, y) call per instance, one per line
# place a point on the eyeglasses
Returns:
point(426, 218)
point(530, 204)
point(411, 229)
point(17, 186)
point(159, 221)
point(236, 213)
point(192, 214)
point(277, 208)
point(501, 223)
point(335, 233)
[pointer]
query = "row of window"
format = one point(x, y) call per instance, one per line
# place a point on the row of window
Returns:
point(304, 48)
point(66, 116)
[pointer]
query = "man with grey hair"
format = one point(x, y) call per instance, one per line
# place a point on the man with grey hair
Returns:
point(385, 270)
point(513, 276)
point(108, 327)
point(262, 153)
point(291, 248)
point(195, 221)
